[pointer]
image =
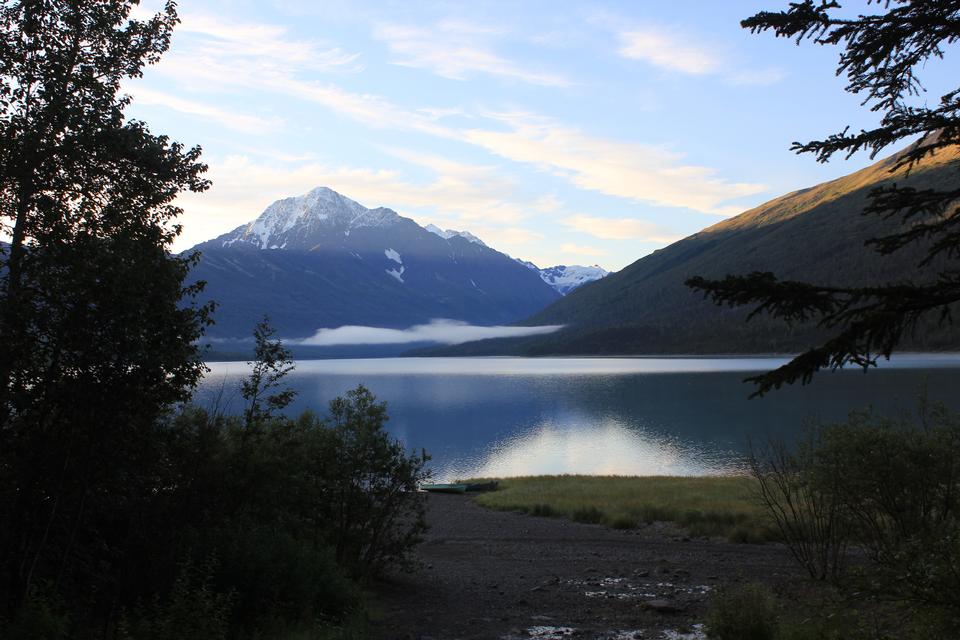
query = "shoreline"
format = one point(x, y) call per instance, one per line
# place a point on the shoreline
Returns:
point(488, 574)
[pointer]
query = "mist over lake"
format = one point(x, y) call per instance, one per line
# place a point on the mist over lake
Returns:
point(599, 416)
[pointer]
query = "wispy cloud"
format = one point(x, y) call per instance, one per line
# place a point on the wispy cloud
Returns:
point(668, 50)
point(457, 50)
point(437, 331)
point(639, 172)
point(675, 50)
point(230, 119)
point(258, 41)
point(245, 57)
point(258, 57)
point(620, 229)
point(459, 196)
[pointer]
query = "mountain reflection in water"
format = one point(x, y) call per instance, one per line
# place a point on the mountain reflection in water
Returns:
point(630, 416)
point(608, 448)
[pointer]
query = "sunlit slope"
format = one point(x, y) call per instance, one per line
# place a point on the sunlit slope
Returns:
point(815, 234)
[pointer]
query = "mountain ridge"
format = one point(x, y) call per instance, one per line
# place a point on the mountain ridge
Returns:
point(815, 234)
point(321, 260)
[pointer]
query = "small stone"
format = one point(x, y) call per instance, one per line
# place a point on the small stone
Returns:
point(663, 606)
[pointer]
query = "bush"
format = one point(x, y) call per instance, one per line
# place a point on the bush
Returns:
point(372, 505)
point(588, 515)
point(37, 620)
point(542, 510)
point(192, 611)
point(745, 613)
point(891, 490)
point(295, 510)
point(623, 522)
point(279, 580)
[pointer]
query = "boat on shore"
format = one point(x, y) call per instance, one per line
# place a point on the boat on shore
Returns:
point(444, 488)
point(460, 487)
point(483, 486)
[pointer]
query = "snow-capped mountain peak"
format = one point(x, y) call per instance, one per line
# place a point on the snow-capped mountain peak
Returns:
point(566, 278)
point(449, 233)
point(287, 221)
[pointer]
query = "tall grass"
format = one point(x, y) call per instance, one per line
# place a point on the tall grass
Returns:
point(705, 506)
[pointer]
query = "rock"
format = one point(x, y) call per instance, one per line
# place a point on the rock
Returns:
point(661, 605)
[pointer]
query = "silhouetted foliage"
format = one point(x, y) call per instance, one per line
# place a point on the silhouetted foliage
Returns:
point(882, 53)
point(270, 364)
point(119, 515)
point(97, 332)
point(889, 489)
point(747, 612)
point(376, 514)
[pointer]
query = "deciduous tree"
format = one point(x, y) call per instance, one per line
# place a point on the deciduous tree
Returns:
point(98, 336)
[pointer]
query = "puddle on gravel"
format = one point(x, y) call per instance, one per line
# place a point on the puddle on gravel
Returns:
point(546, 632)
point(696, 632)
point(623, 589)
point(542, 632)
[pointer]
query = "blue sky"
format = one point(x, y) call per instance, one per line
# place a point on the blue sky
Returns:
point(558, 132)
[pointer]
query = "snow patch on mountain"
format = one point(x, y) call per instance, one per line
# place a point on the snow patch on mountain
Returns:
point(450, 233)
point(397, 273)
point(393, 255)
point(566, 278)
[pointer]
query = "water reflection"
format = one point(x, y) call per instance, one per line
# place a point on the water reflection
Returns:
point(608, 448)
point(510, 416)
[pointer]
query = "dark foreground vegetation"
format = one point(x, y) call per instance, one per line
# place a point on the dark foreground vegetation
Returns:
point(208, 526)
point(125, 513)
point(870, 509)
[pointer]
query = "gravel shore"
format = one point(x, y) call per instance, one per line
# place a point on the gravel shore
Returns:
point(493, 575)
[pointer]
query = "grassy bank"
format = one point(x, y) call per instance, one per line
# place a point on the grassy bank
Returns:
point(711, 506)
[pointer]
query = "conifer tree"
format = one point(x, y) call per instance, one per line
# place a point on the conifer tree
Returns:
point(882, 54)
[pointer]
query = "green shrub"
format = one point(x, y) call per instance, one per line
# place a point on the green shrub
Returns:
point(374, 512)
point(38, 619)
point(542, 510)
point(622, 522)
point(588, 515)
point(745, 613)
point(890, 489)
point(280, 580)
point(192, 611)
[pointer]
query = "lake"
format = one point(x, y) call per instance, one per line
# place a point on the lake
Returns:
point(630, 416)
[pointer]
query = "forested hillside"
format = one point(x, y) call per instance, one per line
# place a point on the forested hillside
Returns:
point(815, 235)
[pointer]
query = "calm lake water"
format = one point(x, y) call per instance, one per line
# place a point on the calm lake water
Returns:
point(632, 416)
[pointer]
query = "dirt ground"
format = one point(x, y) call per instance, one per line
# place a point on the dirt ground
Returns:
point(507, 576)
